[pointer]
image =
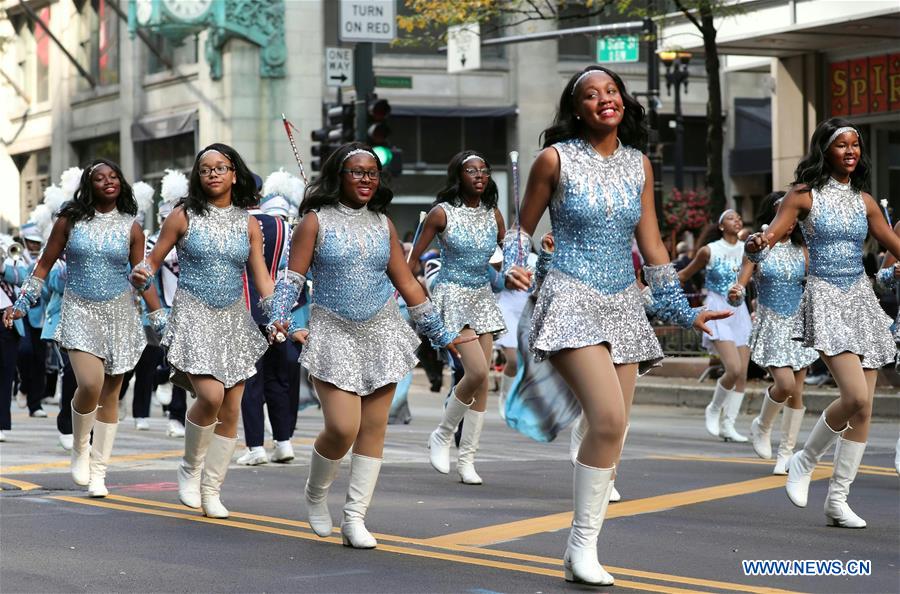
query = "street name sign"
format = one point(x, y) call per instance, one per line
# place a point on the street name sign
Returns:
point(618, 48)
point(368, 20)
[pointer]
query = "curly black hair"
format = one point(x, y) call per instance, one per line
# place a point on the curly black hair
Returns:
point(632, 131)
point(81, 206)
point(814, 170)
point(326, 189)
point(768, 208)
point(243, 192)
point(451, 191)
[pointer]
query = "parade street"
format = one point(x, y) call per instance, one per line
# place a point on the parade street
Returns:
point(693, 508)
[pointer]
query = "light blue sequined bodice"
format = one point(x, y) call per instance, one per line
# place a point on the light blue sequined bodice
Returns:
point(723, 266)
point(97, 256)
point(212, 255)
point(835, 229)
point(594, 212)
point(779, 278)
point(349, 267)
point(467, 243)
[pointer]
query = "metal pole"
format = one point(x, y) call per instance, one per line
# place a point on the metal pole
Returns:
point(364, 82)
point(628, 27)
point(679, 127)
point(34, 17)
point(654, 148)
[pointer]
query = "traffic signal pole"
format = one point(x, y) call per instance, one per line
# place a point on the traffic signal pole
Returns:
point(364, 82)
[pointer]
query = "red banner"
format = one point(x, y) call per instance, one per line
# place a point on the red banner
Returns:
point(864, 85)
point(894, 82)
point(839, 88)
point(859, 87)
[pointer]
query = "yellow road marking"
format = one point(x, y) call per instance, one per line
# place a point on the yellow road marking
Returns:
point(863, 468)
point(382, 547)
point(22, 485)
point(521, 528)
point(476, 550)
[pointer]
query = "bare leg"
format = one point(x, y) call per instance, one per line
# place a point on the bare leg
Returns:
point(210, 394)
point(731, 360)
point(90, 378)
point(853, 384)
point(740, 384)
point(795, 400)
point(784, 384)
point(342, 411)
point(512, 362)
point(472, 388)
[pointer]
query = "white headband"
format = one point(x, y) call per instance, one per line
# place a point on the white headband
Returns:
point(359, 151)
point(469, 158)
point(583, 75)
point(91, 170)
point(203, 154)
point(725, 212)
point(840, 131)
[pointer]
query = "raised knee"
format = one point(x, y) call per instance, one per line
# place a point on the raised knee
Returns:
point(478, 375)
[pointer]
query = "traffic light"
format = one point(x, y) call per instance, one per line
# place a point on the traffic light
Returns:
point(337, 128)
point(378, 135)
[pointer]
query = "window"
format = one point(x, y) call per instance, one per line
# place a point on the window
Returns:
point(432, 141)
point(177, 53)
point(175, 152)
point(98, 48)
point(34, 177)
point(103, 147)
point(33, 53)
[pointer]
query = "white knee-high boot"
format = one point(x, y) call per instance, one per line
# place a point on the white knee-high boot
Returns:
point(473, 421)
point(104, 436)
point(614, 495)
point(591, 494)
point(363, 477)
point(579, 428)
point(506, 382)
point(322, 472)
point(791, 419)
point(847, 457)
point(215, 467)
point(196, 442)
point(761, 427)
point(82, 424)
point(730, 411)
point(802, 464)
point(713, 411)
point(439, 441)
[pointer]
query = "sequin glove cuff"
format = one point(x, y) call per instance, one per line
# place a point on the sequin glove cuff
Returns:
point(669, 300)
point(29, 294)
point(516, 247)
point(144, 266)
point(158, 320)
point(287, 290)
point(429, 323)
point(265, 304)
point(543, 266)
point(885, 277)
point(650, 306)
point(740, 298)
point(757, 257)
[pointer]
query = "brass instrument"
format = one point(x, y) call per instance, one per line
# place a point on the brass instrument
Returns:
point(10, 249)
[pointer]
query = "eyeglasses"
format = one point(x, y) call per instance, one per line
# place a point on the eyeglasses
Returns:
point(358, 174)
point(220, 170)
point(473, 172)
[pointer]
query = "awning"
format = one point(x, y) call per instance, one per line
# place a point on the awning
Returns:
point(454, 111)
point(154, 128)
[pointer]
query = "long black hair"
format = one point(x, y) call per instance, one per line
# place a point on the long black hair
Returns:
point(451, 191)
point(326, 189)
point(632, 131)
point(768, 208)
point(81, 206)
point(814, 170)
point(243, 192)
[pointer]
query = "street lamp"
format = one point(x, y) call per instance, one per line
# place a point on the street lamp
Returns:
point(676, 76)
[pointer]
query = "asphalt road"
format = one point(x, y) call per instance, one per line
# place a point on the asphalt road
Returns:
point(693, 508)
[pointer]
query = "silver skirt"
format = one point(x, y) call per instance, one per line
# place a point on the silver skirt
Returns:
point(569, 315)
point(223, 342)
point(110, 330)
point(464, 306)
point(771, 344)
point(359, 357)
point(835, 321)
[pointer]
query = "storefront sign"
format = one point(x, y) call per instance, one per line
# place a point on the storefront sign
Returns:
point(865, 85)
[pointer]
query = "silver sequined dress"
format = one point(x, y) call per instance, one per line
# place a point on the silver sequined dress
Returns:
point(779, 280)
point(590, 296)
point(839, 311)
point(462, 290)
point(99, 312)
point(358, 340)
point(210, 331)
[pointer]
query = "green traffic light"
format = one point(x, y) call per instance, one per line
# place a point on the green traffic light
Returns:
point(385, 155)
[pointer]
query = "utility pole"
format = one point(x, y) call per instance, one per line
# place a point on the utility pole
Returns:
point(654, 148)
point(364, 82)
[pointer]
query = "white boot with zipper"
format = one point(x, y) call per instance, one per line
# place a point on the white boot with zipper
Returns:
point(104, 436)
point(761, 427)
point(847, 457)
point(215, 467)
point(730, 412)
point(440, 439)
point(591, 488)
point(196, 443)
point(791, 419)
point(713, 412)
point(322, 472)
point(802, 463)
point(363, 478)
point(473, 421)
point(82, 424)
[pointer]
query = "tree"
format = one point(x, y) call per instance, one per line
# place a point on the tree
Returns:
point(429, 20)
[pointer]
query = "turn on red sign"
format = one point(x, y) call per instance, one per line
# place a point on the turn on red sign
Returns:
point(368, 20)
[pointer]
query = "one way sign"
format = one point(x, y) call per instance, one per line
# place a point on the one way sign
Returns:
point(338, 66)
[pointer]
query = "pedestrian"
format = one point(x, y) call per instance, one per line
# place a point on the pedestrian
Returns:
point(589, 318)
point(839, 314)
point(779, 284)
point(730, 337)
point(276, 384)
point(358, 346)
point(99, 324)
point(9, 337)
point(469, 227)
point(213, 344)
